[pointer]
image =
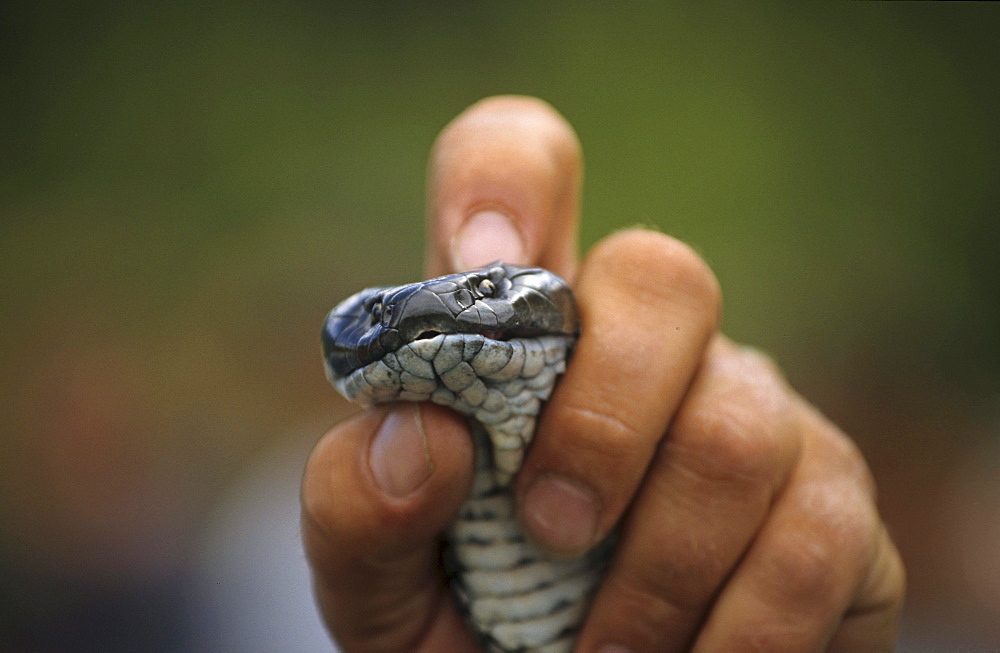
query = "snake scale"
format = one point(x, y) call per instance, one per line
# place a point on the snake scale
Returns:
point(490, 344)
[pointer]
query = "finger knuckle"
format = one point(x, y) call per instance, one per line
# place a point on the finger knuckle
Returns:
point(896, 578)
point(690, 274)
point(651, 605)
point(690, 573)
point(803, 567)
point(598, 432)
point(730, 443)
point(753, 376)
point(547, 121)
point(841, 454)
point(757, 364)
point(835, 538)
point(738, 424)
point(845, 517)
point(852, 462)
point(775, 634)
point(508, 119)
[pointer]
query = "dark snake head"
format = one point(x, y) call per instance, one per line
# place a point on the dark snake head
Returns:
point(498, 301)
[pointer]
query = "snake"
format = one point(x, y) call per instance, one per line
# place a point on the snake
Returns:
point(489, 343)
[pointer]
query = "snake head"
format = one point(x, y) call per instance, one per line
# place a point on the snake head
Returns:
point(498, 301)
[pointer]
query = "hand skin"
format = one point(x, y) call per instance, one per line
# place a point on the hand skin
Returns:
point(748, 521)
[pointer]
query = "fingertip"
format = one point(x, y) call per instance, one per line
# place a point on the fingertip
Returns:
point(561, 514)
point(399, 454)
point(660, 264)
point(377, 491)
point(512, 114)
point(451, 455)
point(429, 463)
point(518, 160)
point(386, 476)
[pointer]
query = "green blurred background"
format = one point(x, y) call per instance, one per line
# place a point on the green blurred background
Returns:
point(187, 188)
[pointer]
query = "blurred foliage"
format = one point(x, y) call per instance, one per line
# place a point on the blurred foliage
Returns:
point(186, 188)
point(825, 158)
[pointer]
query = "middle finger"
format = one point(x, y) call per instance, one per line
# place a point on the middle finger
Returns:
point(648, 307)
point(729, 450)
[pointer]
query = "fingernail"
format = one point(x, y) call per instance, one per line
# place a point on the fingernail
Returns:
point(485, 237)
point(561, 514)
point(399, 459)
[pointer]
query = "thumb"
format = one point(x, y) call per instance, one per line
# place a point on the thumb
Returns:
point(377, 491)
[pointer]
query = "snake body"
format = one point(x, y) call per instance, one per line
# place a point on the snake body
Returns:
point(489, 343)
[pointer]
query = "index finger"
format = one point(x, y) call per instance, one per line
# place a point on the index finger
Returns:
point(504, 183)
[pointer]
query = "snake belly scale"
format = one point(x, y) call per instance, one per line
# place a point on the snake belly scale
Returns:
point(490, 344)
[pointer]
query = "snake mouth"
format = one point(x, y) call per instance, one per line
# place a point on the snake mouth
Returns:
point(499, 334)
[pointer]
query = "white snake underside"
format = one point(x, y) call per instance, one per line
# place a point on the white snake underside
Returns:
point(516, 597)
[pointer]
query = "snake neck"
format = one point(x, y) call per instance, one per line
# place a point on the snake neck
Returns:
point(500, 384)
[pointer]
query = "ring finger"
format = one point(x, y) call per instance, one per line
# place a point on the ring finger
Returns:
point(708, 490)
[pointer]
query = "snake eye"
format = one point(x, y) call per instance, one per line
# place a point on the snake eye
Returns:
point(386, 315)
point(376, 313)
point(486, 288)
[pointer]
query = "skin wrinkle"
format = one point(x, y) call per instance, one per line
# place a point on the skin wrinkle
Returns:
point(612, 437)
point(726, 449)
point(748, 416)
point(646, 609)
point(876, 594)
point(698, 558)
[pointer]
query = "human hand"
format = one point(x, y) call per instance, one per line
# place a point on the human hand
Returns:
point(748, 521)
